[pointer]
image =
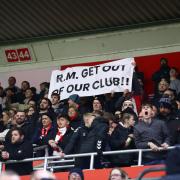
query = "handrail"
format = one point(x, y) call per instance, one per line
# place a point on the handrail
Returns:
point(140, 151)
point(37, 148)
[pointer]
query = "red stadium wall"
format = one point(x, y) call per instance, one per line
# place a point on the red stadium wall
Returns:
point(146, 64)
point(149, 64)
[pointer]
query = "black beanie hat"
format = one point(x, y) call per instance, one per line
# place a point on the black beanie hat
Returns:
point(165, 102)
point(75, 98)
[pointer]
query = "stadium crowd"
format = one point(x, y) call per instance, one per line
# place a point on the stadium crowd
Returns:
point(113, 121)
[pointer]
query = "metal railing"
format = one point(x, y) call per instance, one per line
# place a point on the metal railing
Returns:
point(92, 155)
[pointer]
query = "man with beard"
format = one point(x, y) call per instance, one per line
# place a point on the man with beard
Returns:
point(45, 106)
point(151, 133)
point(18, 149)
point(22, 123)
point(172, 119)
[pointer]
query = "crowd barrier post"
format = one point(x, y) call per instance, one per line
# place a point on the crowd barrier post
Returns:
point(92, 161)
point(140, 157)
point(1, 165)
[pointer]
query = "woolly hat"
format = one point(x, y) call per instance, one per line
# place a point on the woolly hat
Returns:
point(75, 98)
point(165, 102)
point(78, 171)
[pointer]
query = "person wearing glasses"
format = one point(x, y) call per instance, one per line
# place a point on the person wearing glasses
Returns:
point(118, 174)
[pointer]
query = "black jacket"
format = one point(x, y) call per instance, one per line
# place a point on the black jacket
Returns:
point(20, 151)
point(39, 140)
point(62, 144)
point(118, 138)
point(27, 129)
point(117, 141)
point(75, 123)
point(91, 139)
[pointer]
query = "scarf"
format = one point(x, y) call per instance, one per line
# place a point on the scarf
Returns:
point(72, 118)
point(45, 131)
point(60, 134)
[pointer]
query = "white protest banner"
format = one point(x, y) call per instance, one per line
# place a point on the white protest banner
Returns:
point(93, 80)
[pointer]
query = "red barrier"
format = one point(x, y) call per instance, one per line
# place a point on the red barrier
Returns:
point(133, 172)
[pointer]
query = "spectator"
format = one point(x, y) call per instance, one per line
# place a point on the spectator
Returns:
point(10, 97)
point(89, 138)
point(57, 106)
point(163, 72)
point(76, 174)
point(126, 96)
point(31, 115)
point(30, 111)
point(174, 81)
point(98, 104)
point(45, 133)
point(151, 133)
point(118, 174)
point(6, 121)
point(2, 99)
point(12, 85)
point(9, 175)
point(75, 118)
point(128, 106)
point(61, 135)
point(74, 100)
point(18, 149)
point(163, 85)
point(32, 103)
point(21, 95)
point(45, 106)
point(43, 175)
point(170, 93)
point(171, 118)
point(5, 125)
point(140, 78)
point(121, 138)
point(29, 95)
point(12, 114)
point(44, 87)
point(23, 124)
point(35, 95)
point(109, 102)
point(155, 110)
